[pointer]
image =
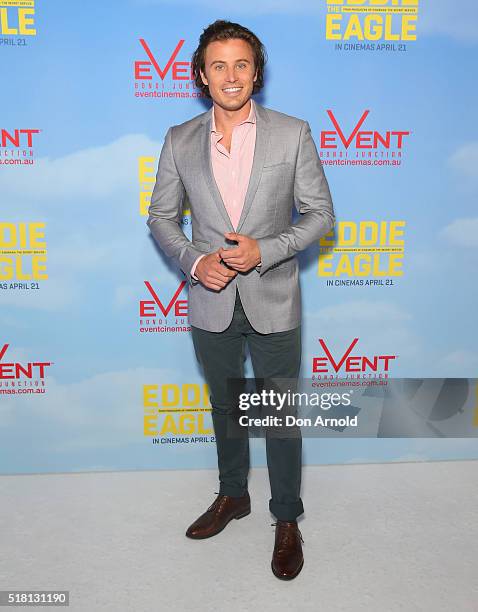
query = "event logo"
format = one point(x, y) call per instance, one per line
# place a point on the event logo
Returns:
point(361, 146)
point(348, 365)
point(164, 77)
point(21, 378)
point(172, 410)
point(359, 25)
point(23, 255)
point(17, 18)
point(370, 250)
point(147, 166)
point(167, 316)
point(16, 146)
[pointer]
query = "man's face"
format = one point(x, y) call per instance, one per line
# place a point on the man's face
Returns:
point(229, 72)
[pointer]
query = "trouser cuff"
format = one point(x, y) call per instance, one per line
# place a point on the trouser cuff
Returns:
point(286, 512)
point(232, 491)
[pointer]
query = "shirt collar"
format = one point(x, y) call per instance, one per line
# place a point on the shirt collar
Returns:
point(250, 119)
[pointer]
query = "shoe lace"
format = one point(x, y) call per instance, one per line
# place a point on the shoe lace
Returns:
point(217, 503)
point(286, 536)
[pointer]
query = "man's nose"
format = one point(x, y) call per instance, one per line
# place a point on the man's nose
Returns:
point(231, 75)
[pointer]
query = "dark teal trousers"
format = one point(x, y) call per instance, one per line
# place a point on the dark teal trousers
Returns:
point(222, 357)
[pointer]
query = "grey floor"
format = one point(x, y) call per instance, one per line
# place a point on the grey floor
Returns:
point(380, 537)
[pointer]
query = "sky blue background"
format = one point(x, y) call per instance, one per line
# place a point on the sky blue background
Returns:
point(74, 81)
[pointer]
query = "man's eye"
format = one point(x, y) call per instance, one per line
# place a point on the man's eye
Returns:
point(241, 65)
point(219, 67)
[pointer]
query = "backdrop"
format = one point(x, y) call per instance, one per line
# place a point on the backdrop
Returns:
point(97, 369)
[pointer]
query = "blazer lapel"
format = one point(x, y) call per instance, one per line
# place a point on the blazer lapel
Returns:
point(260, 150)
point(208, 171)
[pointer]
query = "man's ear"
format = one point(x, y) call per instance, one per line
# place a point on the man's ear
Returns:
point(203, 77)
point(255, 77)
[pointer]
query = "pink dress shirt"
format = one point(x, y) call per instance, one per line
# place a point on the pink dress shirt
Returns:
point(232, 170)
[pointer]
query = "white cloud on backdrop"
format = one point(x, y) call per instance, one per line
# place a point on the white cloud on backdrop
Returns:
point(464, 161)
point(459, 360)
point(462, 233)
point(97, 174)
point(366, 312)
point(98, 411)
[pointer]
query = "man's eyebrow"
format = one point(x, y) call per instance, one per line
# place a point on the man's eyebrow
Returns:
point(224, 61)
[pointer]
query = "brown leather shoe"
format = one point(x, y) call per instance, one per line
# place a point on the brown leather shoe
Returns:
point(287, 559)
point(217, 516)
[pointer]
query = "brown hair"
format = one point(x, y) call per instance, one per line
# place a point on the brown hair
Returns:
point(224, 30)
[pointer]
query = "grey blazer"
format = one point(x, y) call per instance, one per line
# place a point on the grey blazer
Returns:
point(286, 171)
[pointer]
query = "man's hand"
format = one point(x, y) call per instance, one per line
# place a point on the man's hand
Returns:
point(245, 256)
point(212, 274)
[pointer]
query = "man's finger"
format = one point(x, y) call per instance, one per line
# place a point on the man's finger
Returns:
point(241, 267)
point(229, 254)
point(222, 269)
point(215, 277)
point(222, 273)
point(235, 264)
point(215, 286)
point(234, 260)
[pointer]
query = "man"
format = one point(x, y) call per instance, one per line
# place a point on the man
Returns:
point(242, 167)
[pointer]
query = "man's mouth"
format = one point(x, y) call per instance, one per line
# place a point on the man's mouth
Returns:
point(231, 90)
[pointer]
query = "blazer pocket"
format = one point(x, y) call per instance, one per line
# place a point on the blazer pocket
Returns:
point(282, 266)
point(278, 166)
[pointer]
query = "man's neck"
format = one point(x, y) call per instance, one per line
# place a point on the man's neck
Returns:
point(225, 120)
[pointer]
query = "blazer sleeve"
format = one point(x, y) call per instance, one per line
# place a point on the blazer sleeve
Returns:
point(312, 200)
point(165, 212)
